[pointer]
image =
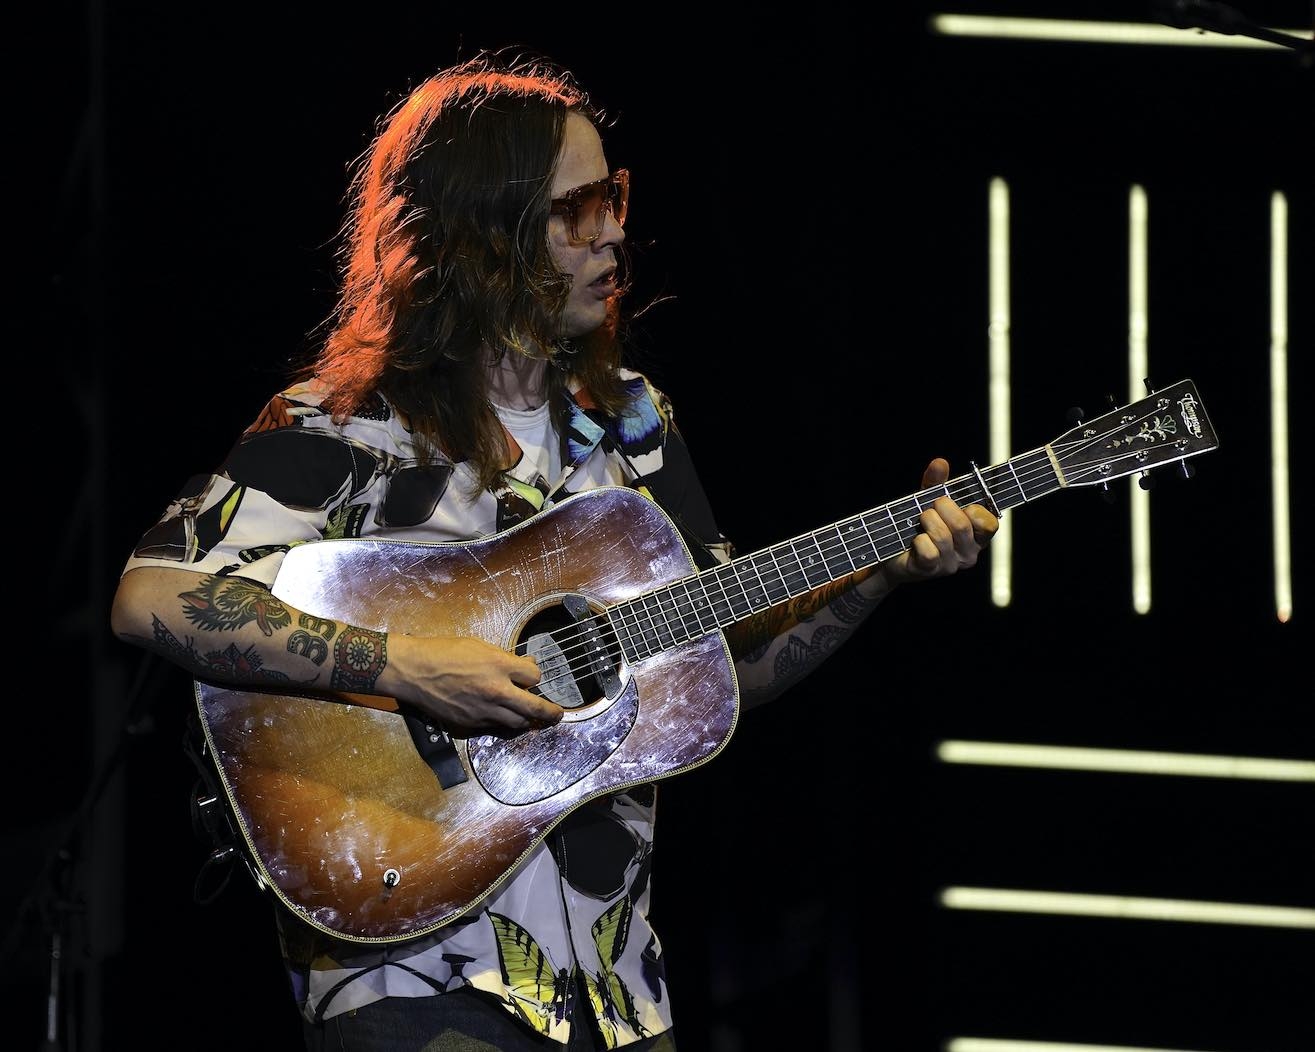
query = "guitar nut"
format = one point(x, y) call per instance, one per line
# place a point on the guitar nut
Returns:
point(392, 878)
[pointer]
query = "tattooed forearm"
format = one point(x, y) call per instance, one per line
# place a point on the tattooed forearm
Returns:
point(785, 644)
point(851, 607)
point(300, 647)
point(800, 653)
point(752, 637)
point(229, 663)
point(221, 604)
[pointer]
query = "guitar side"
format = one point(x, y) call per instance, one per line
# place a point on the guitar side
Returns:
point(344, 819)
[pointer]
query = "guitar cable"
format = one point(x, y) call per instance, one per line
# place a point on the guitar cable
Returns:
point(210, 818)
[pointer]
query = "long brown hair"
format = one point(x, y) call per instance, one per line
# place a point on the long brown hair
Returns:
point(445, 252)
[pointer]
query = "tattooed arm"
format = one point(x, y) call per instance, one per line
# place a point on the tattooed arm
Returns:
point(779, 646)
point(235, 631)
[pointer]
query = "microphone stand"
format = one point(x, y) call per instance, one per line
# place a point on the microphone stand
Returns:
point(1220, 18)
point(54, 896)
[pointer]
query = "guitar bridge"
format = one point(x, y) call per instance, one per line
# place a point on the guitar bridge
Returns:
point(594, 645)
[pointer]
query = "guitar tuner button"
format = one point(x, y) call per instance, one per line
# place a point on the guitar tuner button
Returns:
point(392, 878)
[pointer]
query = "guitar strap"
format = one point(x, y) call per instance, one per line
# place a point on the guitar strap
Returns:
point(647, 485)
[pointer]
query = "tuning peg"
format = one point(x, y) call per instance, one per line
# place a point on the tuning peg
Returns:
point(1147, 481)
point(1187, 469)
point(1076, 415)
point(1146, 383)
point(1107, 494)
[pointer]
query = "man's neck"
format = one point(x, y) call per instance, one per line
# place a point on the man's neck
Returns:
point(517, 382)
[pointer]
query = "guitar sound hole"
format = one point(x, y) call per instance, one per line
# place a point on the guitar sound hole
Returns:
point(579, 659)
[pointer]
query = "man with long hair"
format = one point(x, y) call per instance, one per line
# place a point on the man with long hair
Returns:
point(472, 390)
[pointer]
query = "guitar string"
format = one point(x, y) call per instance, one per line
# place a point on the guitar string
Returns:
point(591, 630)
point(676, 614)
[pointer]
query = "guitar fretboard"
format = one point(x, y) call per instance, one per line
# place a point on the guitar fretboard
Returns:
point(678, 613)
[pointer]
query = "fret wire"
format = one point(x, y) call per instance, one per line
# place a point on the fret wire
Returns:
point(844, 550)
point(646, 627)
point(822, 560)
point(776, 565)
point(754, 604)
point(719, 575)
point(872, 541)
point(665, 636)
point(654, 633)
point(637, 626)
point(890, 514)
point(616, 618)
point(697, 605)
point(1017, 482)
point(665, 614)
point(680, 614)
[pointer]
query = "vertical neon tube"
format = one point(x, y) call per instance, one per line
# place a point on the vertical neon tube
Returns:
point(1278, 403)
point(998, 333)
point(1140, 504)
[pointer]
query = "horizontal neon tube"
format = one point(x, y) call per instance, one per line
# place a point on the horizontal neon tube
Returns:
point(1094, 32)
point(995, 1044)
point(1125, 761)
point(1126, 907)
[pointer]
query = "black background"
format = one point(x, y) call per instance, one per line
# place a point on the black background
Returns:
point(810, 212)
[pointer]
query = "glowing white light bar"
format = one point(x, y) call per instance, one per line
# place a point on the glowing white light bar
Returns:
point(1095, 32)
point(1125, 761)
point(995, 1044)
point(1140, 503)
point(999, 395)
point(1278, 403)
point(1126, 907)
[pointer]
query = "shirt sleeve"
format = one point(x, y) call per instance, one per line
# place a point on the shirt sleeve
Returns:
point(676, 487)
point(275, 490)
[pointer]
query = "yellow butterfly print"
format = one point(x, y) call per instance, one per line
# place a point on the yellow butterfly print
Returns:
point(540, 992)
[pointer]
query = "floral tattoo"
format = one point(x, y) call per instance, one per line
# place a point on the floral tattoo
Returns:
point(358, 658)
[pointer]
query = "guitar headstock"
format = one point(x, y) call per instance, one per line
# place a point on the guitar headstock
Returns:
point(1162, 428)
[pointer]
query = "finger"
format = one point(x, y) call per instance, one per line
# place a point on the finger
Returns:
point(537, 712)
point(937, 472)
point(985, 524)
point(925, 555)
point(957, 521)
point(525, 672)
point(934, 543)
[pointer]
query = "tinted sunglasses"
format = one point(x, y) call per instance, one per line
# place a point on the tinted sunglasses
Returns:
point(586, 207)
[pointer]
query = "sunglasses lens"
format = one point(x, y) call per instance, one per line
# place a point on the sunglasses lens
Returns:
point(589, 212)
point(619, 194)
point(594, 201)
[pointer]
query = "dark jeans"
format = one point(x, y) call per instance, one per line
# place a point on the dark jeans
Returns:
point(459, 1021)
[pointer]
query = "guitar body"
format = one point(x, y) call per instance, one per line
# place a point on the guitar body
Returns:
point(346, 821)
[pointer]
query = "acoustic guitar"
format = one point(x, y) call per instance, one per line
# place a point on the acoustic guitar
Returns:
point(369, 834)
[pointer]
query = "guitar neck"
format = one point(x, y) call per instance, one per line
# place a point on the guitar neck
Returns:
point(675, 614)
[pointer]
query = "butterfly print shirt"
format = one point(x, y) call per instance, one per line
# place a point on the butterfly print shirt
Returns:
point(573, 916)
